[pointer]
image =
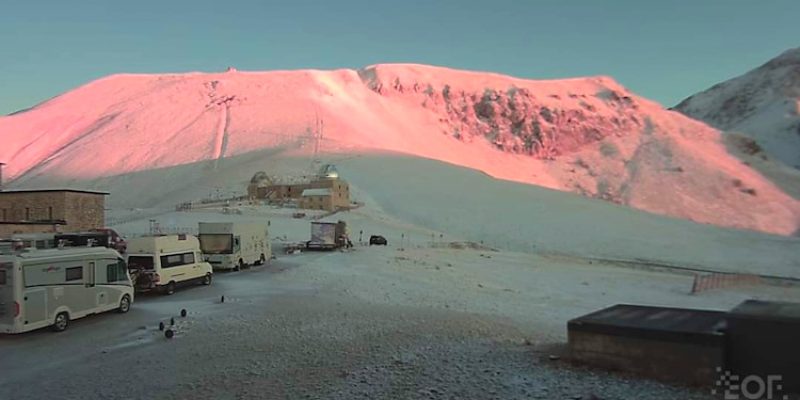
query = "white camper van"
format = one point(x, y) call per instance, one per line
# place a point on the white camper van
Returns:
point(234, 245)
point(165, 262)
point(40, 288)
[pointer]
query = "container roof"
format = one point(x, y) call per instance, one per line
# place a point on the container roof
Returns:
point(767, 310)
point(665, 323)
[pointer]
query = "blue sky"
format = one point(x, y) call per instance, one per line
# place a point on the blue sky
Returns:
point(663, 50)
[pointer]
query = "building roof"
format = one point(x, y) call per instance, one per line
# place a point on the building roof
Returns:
point(317, 192)
point(53, 222)
point(53, 190)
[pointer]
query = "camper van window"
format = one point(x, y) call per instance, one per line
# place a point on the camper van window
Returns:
point(74, 274)
point(116, 272)
point(216, 243)
point(173, 260)
point(2, 277)
point(140, 262)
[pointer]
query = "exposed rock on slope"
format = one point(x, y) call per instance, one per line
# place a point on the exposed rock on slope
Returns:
point(590, 135)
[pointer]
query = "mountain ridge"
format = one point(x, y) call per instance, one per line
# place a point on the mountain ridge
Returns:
point(763, 103)
point(590, 136)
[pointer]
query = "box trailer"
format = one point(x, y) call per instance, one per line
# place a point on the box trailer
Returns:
point(762, 342)
point(105, 237)
point(234, 245)
point(36, 240)
point(327, 235)
point(165, 262)
point(41, 288)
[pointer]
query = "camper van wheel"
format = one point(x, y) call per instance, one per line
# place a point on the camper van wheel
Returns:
point(207, 279)
point(61, 322)
point(124, 304)
point(170, 288)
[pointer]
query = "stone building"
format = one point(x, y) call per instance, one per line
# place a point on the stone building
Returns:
point(50, 210)
point(322, 193)
point(316, 199)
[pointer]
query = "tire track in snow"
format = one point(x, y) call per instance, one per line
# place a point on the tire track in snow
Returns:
point(221, 139)
point(40, 166)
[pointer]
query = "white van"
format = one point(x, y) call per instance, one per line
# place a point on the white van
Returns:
point(40, 288)
point(164, 262)
point(234, 245)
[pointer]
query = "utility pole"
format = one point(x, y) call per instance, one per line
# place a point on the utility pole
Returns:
point(318, 133)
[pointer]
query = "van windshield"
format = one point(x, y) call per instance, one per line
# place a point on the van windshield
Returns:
point(216, 243)
point(140, 262)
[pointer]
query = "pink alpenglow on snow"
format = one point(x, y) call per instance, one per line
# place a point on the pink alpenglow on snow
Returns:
point(587, 135)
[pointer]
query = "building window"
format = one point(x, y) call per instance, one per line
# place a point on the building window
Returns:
point(27, 214)
point(50, 213)
point(5, 214)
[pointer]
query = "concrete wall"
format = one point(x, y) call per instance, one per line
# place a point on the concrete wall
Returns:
point(681, 361)
point(34, 212)
point(32, 206)
point(317, 203)
point(6, 230)
point(84, 211)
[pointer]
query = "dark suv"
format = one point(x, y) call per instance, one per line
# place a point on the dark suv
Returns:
point(378, 240)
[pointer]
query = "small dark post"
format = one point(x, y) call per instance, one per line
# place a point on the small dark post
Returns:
point(1, 176)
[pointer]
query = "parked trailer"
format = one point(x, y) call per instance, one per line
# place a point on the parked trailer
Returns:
point(41, 288)
point(234, 245)
point(327, 235)
point(105, 237)
point(165, 262)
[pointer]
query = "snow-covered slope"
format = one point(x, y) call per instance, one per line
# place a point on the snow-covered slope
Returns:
point(591, 135)
point(763, 103)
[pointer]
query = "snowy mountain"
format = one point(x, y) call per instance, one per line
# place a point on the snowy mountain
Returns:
point(589, 135)
point(763, 103)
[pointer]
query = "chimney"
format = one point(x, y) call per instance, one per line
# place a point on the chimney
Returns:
point(1, 176)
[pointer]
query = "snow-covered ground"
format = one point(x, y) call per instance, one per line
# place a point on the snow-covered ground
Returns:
point(425, 317)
